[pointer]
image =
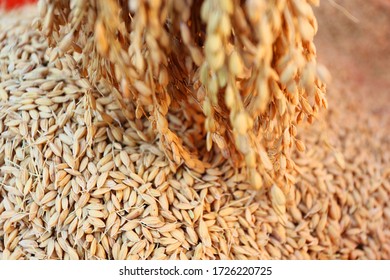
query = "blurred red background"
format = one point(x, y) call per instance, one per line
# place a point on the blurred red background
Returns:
point(9, 4)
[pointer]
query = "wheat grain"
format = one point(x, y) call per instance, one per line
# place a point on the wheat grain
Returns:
point(116, 194)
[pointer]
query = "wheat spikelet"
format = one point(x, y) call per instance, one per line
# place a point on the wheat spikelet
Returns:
point(249, 66)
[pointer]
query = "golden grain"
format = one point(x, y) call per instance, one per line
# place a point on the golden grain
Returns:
point(83, 178)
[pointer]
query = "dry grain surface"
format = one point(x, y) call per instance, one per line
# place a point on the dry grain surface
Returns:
point(80, 181)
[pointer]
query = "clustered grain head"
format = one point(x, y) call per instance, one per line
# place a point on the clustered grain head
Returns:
point(249, 66)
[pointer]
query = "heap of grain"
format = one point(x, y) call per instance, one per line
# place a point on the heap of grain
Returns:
point(249, 66)
point(78, 180)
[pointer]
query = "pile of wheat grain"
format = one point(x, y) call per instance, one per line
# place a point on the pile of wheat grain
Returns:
point(80, 181)
point(249, 66)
